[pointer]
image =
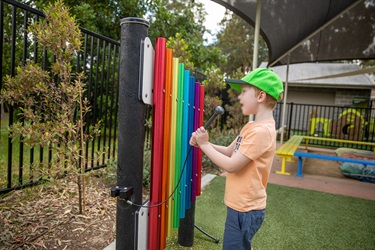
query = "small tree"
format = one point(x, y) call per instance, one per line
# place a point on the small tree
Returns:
point(52, 103)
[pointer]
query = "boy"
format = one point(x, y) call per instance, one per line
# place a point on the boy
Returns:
point(248, 159)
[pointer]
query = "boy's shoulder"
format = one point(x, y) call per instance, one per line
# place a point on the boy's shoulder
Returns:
point(265, 125)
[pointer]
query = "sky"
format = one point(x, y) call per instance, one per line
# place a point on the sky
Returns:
point(215, 13)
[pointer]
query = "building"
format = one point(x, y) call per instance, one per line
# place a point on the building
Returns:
point(321, 101)
point(352, 90)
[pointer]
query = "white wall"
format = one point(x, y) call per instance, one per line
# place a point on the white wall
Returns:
point(311, 97)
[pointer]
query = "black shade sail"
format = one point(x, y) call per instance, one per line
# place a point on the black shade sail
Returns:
point(312, 30)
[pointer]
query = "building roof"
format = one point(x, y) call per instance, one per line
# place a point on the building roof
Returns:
point(301, 71)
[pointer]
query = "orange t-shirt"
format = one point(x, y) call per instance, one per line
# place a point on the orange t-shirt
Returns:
point(245, 190)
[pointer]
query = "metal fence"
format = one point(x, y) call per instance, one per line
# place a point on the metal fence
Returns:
point(345, 123)
point(98, 60)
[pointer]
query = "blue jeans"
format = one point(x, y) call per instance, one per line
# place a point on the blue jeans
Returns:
point(240, 228)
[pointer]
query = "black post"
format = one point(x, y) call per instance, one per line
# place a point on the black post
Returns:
point(186, 228)
point(131, 131)
point(290, 119)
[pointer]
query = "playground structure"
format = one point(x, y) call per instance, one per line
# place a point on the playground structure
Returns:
point(155, 77)
point(350, 124)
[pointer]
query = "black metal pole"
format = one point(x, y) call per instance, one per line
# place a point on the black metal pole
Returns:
point(131, 115)
point(186, 228)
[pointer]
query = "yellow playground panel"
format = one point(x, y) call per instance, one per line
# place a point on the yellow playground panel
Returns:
point(314, 122)
point(350, 124)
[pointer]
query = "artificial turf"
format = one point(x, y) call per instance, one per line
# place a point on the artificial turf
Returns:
point(295, 219)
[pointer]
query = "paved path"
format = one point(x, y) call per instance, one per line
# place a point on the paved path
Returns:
point(347, 187)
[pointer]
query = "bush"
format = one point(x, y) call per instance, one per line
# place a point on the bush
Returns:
point(146, 181)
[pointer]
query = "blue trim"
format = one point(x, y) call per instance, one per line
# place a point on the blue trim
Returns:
point(326, 157)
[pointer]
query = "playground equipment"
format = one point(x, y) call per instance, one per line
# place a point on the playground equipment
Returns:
point(314, 122)
point(349, 125)
point(156, 78)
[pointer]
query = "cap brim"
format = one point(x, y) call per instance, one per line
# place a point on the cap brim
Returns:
point(235, 84)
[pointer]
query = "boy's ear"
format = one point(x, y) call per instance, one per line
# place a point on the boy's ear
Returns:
point(262, 96)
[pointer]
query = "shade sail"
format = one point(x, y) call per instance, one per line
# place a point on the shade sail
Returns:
point(325, 75)
point(319, 30)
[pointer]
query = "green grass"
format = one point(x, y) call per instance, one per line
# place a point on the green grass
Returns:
point(295, 219)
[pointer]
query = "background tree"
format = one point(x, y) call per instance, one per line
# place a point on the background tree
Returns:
point(176, 20)
point(181, 22)
point(102, 17)
point(236, 41)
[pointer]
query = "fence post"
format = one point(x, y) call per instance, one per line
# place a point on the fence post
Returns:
point(131, 131)
point(290, 119)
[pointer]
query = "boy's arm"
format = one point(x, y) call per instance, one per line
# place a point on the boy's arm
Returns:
point(222, 149)
point(221, 156)
point(228, 163)
point(225, 150)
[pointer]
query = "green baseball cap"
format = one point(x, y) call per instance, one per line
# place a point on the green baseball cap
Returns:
point(262, 78)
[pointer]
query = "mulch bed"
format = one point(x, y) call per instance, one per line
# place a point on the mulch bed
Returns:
point(46, 217)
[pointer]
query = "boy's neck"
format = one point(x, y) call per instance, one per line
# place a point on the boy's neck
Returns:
point(263, 115)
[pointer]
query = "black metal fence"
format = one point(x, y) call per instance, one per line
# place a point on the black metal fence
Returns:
point(345, 123)
point(98, 60)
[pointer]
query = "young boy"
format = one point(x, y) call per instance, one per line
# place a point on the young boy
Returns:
point(248, 159)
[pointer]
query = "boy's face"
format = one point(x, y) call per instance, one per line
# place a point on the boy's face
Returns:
point(249, 99)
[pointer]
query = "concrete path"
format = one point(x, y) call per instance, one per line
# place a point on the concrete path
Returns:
point(331, 185)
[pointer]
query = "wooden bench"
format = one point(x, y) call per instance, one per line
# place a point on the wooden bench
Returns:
point(326, 157)
point(286, 151)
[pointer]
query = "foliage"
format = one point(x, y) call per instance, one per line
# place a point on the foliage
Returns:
point(213, 87)
point(234, 119)
point(51, 103)
point(13, 37)
point(367, 63)
point(236, 41)
point(181, 51)
point(181, 22)
point(146, 181)
point(102, 17)
point(167, 18)
point(219, 137)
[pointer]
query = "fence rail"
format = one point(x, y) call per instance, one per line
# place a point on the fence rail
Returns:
point(98, 60)
point(346, 123)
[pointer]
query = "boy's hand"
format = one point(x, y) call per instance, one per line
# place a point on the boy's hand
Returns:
point(193, 141)
point(201, 136)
